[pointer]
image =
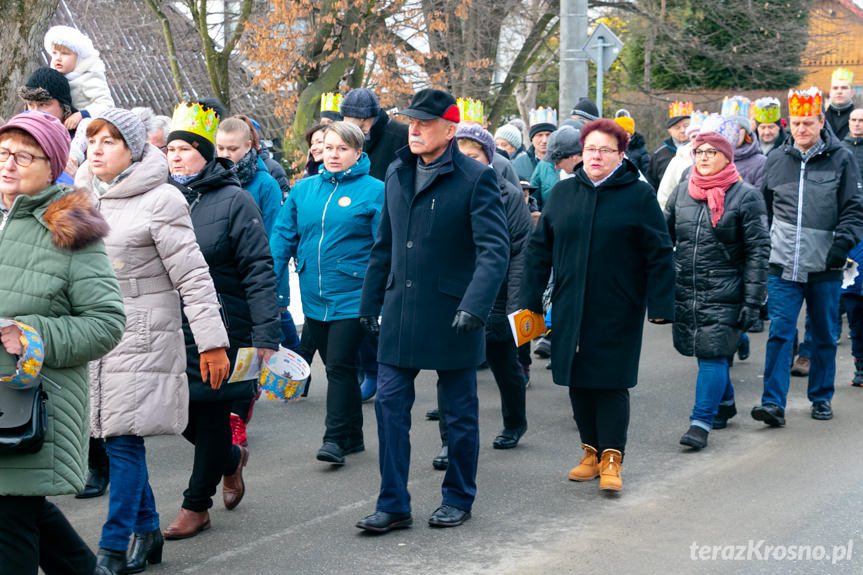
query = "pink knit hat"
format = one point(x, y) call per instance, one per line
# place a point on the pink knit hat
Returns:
point(49, 132)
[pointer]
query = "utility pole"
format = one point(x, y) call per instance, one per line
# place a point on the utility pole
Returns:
point(573, 59)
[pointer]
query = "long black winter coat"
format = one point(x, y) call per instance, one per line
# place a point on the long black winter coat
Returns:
point(718, 269)
point(612, 259)
point(441, 250)
point(386, 137)
point(230, 231)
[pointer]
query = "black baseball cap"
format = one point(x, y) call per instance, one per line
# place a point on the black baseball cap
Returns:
point(430, 104)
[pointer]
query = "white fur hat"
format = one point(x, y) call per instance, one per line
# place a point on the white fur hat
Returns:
point(70, 38)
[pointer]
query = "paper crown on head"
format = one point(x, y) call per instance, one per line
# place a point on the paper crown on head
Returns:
point(197, 119)
point(29, 362)
point(695, 121)
point(804, 102)
point(736, 106)
point(842, 74)
point(722, 125)
point(767, 110)
point(679, 109)
point(543, 116)
point(331, 102)
point(471, 110)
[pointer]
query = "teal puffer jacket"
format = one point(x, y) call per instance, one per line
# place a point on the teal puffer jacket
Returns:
point(56, 277)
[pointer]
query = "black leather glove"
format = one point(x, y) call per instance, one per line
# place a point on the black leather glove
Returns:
point(748, 315)
point(836, 257)
point(465, 322)
point(370, 324)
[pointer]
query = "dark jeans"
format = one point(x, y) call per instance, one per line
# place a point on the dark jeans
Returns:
point(338, 342)
point(602, 416)
point(502, 358)
point(307, 346)
point(209, 429)
point(369, 356)
point(131, 505)
point(524, 354)
point(97, 458)
point(854, 307)
point(34, 533)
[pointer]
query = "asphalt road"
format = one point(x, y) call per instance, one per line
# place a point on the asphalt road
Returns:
point(757, 500)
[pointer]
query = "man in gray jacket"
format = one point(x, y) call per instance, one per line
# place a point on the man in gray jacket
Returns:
point(813, 192)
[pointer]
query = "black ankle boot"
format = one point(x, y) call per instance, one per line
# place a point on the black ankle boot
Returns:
point(146, 548)
point(110, 562)
point(97, 483)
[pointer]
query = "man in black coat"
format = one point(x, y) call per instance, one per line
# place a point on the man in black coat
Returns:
point(440, 257)
point(384, 137)
point(676, 125)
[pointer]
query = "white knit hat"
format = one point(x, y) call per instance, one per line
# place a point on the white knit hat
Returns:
point(70, 38)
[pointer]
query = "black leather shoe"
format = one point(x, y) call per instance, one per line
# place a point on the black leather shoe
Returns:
point(433, 414)
point(441, 460)
point(508, 438)
point(822, 410)
point(723, 414)
point(356, 447)
point(695, 437)
point(448, 516)
point(146, 548)
point(331, 453)
point(772, 415)
point(97, 483)
point(383, 522)
point(109, 562)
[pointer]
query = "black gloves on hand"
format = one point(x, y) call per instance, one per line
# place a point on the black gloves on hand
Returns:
point(748, 316)
point(836, 257)
point(370, 324)
point(465, 322)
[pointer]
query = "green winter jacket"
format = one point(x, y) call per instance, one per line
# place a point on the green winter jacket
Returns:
point(56, 277)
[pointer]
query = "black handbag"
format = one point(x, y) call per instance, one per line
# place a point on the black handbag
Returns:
point(23, 420)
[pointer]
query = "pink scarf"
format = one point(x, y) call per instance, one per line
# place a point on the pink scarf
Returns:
point(713, 188)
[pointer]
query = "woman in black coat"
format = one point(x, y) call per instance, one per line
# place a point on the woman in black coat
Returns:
point(604, 234)
point(719, 225)
point(230, 231)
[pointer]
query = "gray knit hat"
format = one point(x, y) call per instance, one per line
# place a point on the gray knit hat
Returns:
point(563, 143)
point(360, 103)
point(130, 127)
point(479, 135)
point(509, 133)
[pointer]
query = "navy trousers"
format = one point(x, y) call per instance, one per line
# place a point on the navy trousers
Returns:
point(395, 397)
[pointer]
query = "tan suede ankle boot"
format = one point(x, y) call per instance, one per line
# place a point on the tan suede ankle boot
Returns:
point(588, 468)
point(609, 470)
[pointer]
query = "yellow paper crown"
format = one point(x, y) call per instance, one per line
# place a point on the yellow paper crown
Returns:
point(804, 102)
point(197, 119)
point(543, 116)
point(767, 110)
point(678, 109)
point(470, 110)
point(331, 102)
point(842, 74)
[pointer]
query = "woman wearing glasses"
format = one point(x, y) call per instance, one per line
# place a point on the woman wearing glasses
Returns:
point(719, 225)
point(603, 233)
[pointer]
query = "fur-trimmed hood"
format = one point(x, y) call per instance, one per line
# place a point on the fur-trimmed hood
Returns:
point(74, 222)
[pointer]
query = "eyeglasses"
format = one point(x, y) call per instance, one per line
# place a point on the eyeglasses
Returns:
point(603, 151)
point(709, 153)
point(22, 159)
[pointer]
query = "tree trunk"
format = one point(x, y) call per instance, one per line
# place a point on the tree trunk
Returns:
point(22, 28)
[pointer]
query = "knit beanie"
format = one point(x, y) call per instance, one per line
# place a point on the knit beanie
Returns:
point(70, 38)
point(509, 133)
point(46, 84)
point(360, 103)
point(563, 143)
point(626, 123)
point(49, 133)
point(482, 137)
point(585, 108)
point(541, 127)
point(720, 132)
point(130, 127)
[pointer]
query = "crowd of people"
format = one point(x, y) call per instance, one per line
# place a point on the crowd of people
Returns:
point(141, 252)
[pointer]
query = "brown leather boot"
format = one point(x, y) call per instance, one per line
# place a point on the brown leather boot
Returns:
point(588, 468)
point(187, 524)
point(233, 487)
point(609, 470)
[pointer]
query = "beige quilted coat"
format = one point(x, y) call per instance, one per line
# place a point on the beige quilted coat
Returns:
point(140, 388)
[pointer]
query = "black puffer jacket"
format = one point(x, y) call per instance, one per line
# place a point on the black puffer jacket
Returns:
point(718, 269)
point(230, 231)
point(637, 152)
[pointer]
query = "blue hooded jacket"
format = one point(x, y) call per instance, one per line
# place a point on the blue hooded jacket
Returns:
point(329, 223)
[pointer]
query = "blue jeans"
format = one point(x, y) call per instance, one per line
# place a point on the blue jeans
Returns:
point(854, 308)
point(805, 349)
point(131, 505)
point(785, 299)
point(712, 387)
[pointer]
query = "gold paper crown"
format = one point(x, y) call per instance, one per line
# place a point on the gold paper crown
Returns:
point(678, 109)
point(842, 74)
point(804, 102)
point(331, 102)
point(197, 119)
point(767, 110)
point(543, 116)
point(470, 110)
